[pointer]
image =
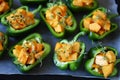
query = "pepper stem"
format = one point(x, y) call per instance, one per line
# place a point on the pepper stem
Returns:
point(37, 10)
point(117, 61)
point(78, 35)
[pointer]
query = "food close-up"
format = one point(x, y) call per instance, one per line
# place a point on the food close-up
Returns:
point(78, 38)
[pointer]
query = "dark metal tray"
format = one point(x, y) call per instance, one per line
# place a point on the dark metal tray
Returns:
point(48, 67)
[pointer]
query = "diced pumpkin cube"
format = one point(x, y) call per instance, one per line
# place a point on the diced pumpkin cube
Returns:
point(1, 46)
point(56, 10)
point(111, 56)
point(100, 22)
point(23, 56)
point(39, 54)
point(54, 23)
point(94, 27)
point(73, 57)
point(31, 59)
point(101, 14)
point(59, 28)
point(87, 2)
point(76, 47)
point(21, 11)
point(87, 22)
point(78, 3)
point(108, 69)
point(69, 21)
point(39, 47)
point(58, 46)
point(17, 50)
point(2, 6)
point(101, 31)
point(107, 26)
point(6, 7)
point(64, 9)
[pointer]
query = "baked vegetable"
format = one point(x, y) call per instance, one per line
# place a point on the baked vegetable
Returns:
point(102, 61)
point(58, 19)
point(82, 5)
point(69, 54)
point(97, 24)
point(20, 21)
point(29, 52)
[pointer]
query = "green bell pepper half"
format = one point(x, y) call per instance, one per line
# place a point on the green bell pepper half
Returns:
point(10, 2)
point(67, 29)
point(95, 36)
point(25, 2)
point(92, 54)
point(72, 65)
point(78, 8)
point(4, 44)
point(25, 68)
point(11, 31)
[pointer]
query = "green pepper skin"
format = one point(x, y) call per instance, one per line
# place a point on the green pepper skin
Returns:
point(67, 29)
point(95, 36)
point(4, 44)
point(78, 9)
point(72, 65)
point(92, 53)
point(11, 31)
point(10, 2)
point(25, 2)
point(24, 68)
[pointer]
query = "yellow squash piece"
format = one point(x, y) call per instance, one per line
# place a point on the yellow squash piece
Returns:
point(111, 56)
point(108, 69)
point(94, 27)
point(23, 56)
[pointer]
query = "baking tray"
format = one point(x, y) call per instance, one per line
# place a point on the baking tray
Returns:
point(48, 67)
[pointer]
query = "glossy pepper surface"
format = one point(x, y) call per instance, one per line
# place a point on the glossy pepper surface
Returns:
point(73, 64)
point(4, 42)
point(93, 35)
point(81, 8)
point(27, 67)
point(32, 1)
point(93, 53)
point(67, 29)
point(10, 2)
point(13, 32)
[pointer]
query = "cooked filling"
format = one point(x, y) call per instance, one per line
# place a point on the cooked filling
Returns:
point(21, 19)
point(67, 52)
point(1, 41)
point(3, 6)
point(29, 51)
point(58, 18)
point(98, 22)
point(104, 63)
point(83, 3)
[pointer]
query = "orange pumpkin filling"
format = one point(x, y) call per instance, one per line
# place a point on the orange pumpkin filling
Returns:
point(28, 52)
point(58, 18)
point(21, 19)
point(83, 3)
point(98, 22)
point(67, 52)
point(3, 6)
point(104, 63)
